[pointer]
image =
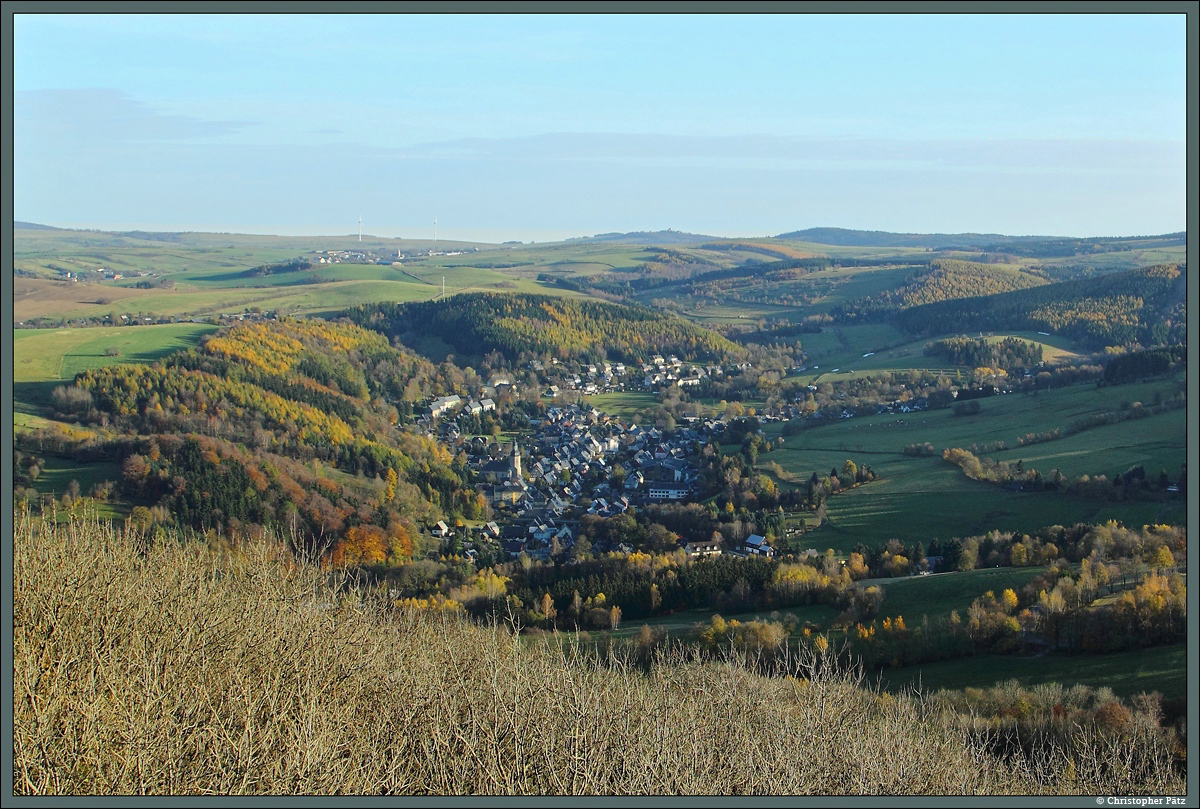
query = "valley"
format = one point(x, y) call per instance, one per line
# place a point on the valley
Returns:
point(659, 396)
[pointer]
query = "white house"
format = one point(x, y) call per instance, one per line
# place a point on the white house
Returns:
point(758, 545)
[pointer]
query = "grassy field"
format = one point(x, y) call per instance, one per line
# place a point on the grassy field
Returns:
point(819, 291)
point(44, 358)
point(817, 616)
point(208, 272)
point(1162, 668)
point(893, 350)
point(57, 475)
point(53, 354)
point(923, 498)
point(37, 298)
point(1127, 259)
point(945, 505)
point(166, 253)
point(936, 596)
point(568, 260)
point(913, 597)
point(622, 405)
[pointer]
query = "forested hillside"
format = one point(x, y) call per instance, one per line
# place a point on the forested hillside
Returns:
point(280, 423)
point(941, 280)
point(1145, 306)
point(474, 324)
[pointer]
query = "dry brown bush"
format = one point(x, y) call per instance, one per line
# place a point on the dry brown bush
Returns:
point(175, 668)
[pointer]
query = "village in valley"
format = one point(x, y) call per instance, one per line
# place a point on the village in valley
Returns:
point(575, 460)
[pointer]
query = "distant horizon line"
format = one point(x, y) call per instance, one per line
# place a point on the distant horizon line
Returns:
point(314, 234)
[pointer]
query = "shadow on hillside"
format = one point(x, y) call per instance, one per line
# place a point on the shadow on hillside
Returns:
point(33, 398)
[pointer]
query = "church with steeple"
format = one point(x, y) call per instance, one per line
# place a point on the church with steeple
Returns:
point(502, 470)
point(514, 472)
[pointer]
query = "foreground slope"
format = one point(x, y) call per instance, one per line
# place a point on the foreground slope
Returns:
point(176, 668)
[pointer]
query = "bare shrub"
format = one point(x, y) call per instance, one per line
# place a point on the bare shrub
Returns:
point(71, 399)
point(172, 667)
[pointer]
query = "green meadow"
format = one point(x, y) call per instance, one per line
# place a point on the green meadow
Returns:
point(919, 498)
point(623, 405)
point(816, 616)
point(54, 354)
point(57, 475)
point(937, 595)
point(167, 253)
point(1125, 259)
point(913, 597)
point(44, 358)
point(843, 348)
point(1162, 668)
point(295, 299)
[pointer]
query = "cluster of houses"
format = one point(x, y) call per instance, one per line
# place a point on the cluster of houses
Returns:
point(449, 404)
point(605, 377)
point(663, 371)
point(102, 274)
point(566, 467)
point(838, 411)
point(344, 257)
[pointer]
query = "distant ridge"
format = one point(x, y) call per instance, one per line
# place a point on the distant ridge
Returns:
point(843, 237)
point(33, 226)
point(647, 237)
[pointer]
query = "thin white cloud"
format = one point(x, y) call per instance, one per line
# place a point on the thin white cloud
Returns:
point(91, 115)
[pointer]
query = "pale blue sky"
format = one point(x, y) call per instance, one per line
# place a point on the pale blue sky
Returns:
point(549, 126)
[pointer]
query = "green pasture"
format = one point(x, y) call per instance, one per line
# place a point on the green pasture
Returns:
point(1126, 259)
point(919, 498)
point(1161, 668)
point(144, 250)
point(84, 252)
point(568, 259)
point(182, 302)
point(923, 503)
point(913, 597)
point(54, 354)
point(623, 405)
point(1156, 442)
point(822, 290)
point(1055, 348)
point(1002, 418)
point(843, 347)
point(894, 350)
point(732, 313)
point(295, 299)
point(841, 284)
point(456, 277)
point(324, 272)
point(58, 473)
point(937, 595)
point(44, 358)
point(359, 284)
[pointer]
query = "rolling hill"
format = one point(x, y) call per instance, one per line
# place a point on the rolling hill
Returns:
point(477, 323)
point(1146, 306)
